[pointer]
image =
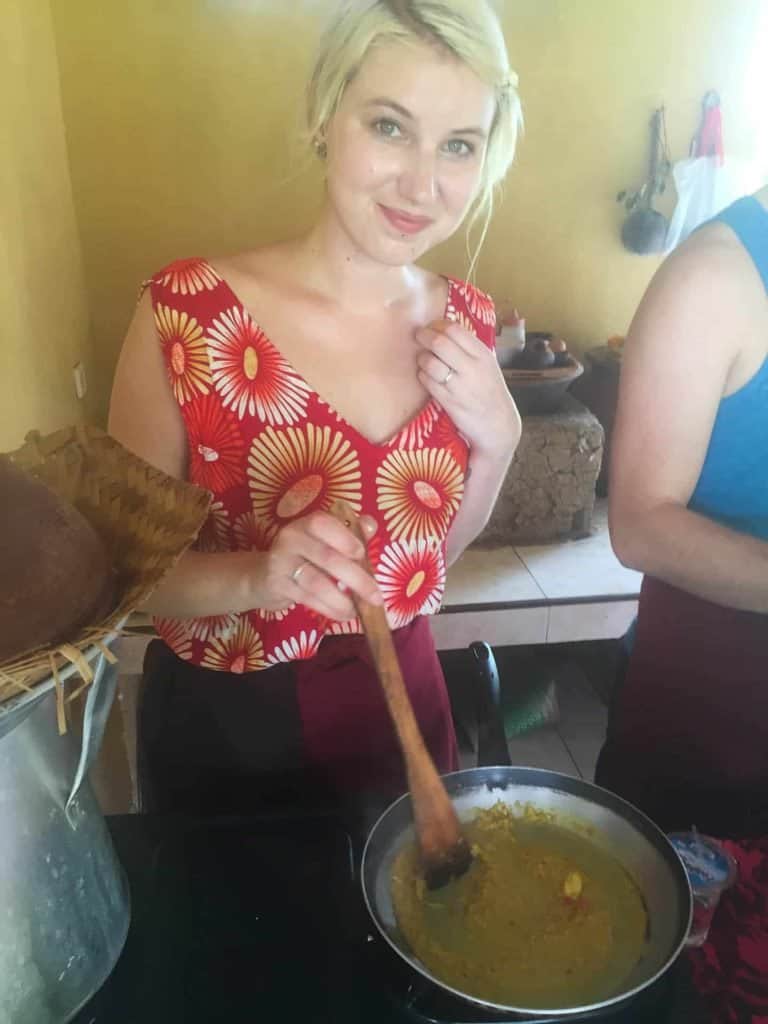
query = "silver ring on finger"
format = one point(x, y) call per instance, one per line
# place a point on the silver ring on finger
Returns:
point(447, 377)
point(299, 570)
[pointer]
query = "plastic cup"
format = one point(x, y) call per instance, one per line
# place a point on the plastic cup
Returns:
point(711, 870)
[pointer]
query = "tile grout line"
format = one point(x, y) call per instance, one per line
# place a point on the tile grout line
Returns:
point(541, 590)
point(564, 741)
point(524, 564)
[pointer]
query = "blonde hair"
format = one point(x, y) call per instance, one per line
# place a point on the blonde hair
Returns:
point(468, 29)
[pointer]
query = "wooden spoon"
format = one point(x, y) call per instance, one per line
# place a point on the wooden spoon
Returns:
point(445, 853)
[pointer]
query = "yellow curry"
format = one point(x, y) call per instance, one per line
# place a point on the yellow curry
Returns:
point(543, 918)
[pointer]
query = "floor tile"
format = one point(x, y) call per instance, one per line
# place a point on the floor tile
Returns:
point(577, 700)
point(585, 750)
point(583, 719)
point(543, 748)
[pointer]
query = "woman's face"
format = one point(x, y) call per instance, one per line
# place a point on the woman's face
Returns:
point(405, 150)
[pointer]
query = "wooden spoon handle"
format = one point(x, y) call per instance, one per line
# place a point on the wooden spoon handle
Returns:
point(437, 824)
point(376, 628)
point(377, 632)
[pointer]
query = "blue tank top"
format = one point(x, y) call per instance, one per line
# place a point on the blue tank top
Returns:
point(733, 486)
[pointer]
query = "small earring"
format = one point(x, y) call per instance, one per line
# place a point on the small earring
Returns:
point(321, 148)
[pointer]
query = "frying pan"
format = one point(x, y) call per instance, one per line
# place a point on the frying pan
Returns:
point(619, 828)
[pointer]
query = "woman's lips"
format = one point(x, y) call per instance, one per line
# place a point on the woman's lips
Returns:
point(405, 223)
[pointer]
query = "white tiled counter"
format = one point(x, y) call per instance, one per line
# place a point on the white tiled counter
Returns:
point(548, 593)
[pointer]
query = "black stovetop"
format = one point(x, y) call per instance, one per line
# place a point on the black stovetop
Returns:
point(234, 920)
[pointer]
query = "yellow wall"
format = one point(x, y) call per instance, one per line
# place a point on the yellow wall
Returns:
point(179, 113)
point(591, 72)
point(43, 321)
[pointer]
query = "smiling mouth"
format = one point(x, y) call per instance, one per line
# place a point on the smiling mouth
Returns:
point(405, 223)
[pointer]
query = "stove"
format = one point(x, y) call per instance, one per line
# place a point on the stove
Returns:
point(236, 919)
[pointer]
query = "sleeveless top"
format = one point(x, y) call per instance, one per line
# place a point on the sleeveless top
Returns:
point(271, 450)
point(733, 485)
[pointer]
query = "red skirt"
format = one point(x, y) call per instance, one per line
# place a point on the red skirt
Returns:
point(688, 732)
point(307, 731)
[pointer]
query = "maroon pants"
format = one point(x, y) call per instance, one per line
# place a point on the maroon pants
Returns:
point(688, 733)
point(308, 731)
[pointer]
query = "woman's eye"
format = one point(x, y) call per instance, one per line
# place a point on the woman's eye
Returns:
point(459, 147)
point(389, 129)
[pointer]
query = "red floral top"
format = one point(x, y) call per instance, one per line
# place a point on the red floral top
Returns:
point(270, 449)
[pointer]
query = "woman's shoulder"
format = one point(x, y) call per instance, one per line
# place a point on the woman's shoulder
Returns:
point(710, 272)
point(704, 310)
point(194, 274)
point(473, 308)
point(712, 251)
point(182, 277)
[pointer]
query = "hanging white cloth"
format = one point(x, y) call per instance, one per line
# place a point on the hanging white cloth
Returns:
point(699, 185)
point(701, 182)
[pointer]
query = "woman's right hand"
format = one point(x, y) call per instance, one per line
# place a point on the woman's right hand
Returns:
point(316, 561)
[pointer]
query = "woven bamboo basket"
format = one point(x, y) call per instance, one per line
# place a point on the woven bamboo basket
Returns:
point(145, 518)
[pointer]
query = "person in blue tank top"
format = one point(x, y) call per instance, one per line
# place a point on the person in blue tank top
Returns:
point(688, 731)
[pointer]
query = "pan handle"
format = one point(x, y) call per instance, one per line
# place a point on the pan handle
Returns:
point(492, 746)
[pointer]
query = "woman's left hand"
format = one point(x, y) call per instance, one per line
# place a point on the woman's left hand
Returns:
point(463, 375)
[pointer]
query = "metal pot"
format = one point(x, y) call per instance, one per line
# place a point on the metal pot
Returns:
point(619, 828)
point(64, 907)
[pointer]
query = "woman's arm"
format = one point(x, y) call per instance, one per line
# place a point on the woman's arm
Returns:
point(145, 418)
point(485, 475)
point(683, 347)
point(478, 401)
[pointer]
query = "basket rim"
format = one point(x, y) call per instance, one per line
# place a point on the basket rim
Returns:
point(43, 686)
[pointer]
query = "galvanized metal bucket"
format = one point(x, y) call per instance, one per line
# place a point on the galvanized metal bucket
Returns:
point(64, 904)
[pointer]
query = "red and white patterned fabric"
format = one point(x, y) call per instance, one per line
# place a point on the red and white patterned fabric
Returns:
point(731, 968)
point(271, 450)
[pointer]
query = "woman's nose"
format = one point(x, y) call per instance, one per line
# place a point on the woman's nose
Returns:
point(418, 179)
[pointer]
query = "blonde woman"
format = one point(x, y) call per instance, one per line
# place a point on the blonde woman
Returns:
point(328, 366)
